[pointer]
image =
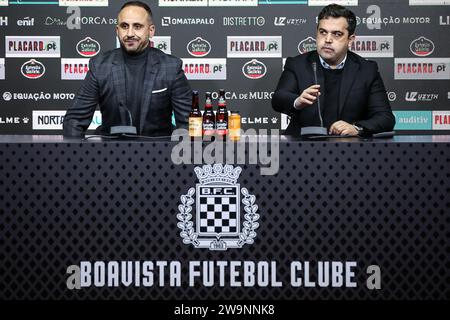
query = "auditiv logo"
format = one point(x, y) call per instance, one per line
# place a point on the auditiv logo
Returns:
point(88, 47)
point(254, 69)
point(307, 45)
point(198, 47)
point(32, 69)
point(422, 47)
point(218, 212)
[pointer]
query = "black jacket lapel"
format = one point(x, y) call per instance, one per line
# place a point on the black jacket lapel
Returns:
point(151, 70)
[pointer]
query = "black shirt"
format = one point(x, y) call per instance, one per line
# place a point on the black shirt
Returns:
point(330, 109)
point(134, 80)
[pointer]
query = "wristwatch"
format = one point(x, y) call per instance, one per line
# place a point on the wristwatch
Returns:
point(359, 129)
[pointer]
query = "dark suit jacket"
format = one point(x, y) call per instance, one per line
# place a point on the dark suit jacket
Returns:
point(363, 99)
point(165, 89)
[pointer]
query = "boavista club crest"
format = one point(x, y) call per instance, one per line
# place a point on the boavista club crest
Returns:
point(216, 223)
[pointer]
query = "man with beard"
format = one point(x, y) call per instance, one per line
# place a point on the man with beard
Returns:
point(135, 85)
point(353, 98)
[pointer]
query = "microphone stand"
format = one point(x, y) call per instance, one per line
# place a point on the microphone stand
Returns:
point(316, 131)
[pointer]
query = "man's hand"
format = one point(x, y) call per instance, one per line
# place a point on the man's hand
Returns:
point(343, 128)
point(308, 96)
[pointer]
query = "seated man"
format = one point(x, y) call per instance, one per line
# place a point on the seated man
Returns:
point(352, 96)
point(135, 85)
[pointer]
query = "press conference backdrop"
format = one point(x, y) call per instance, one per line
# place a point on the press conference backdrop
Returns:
point(238, 45)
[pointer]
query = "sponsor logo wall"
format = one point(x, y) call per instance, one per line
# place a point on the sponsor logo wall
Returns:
point(238, 45)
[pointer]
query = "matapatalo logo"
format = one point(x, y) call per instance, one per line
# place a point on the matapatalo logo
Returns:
point(88, 47)
point(3, 3)
point(198, 47)
point(218, 219)
point(422, 47)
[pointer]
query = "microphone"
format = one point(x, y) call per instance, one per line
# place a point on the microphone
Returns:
point(316, 131)
point(129, 129)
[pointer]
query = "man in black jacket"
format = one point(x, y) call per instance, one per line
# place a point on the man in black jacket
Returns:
point(135, 85)
point(352, 94)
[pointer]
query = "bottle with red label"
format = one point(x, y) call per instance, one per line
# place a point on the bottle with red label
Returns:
point(209, 120)
point(222, 115)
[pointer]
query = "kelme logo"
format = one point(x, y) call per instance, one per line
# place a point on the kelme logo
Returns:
point(32, 69)
point(422, 47)
point(307, 45)
point(88, 47)
point(199, 47)
point(254, 69)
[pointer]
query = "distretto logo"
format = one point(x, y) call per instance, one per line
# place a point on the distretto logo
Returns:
point(412, 120)
point(205, 69)
point(3, 3)
point(374, 46)
point(53, 120)
point(254, 69)
point(441, 120)
point(340, 2)
point(83, 3)
point(307, 45)
point(422, 68)
point(32, 69)
point(169, 21)
point(2, 69)
point(74, 69)
point(422, 47)
point(198, 47)
point(254, 47)
point(88, 47)
point(429, 2)
point(36, 47)
point(243, 21)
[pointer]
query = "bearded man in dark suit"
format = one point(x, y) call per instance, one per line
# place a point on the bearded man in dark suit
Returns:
point(135, 85)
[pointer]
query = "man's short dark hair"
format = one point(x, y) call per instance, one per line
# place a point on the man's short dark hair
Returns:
point(337, 11)
point(141, 5)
